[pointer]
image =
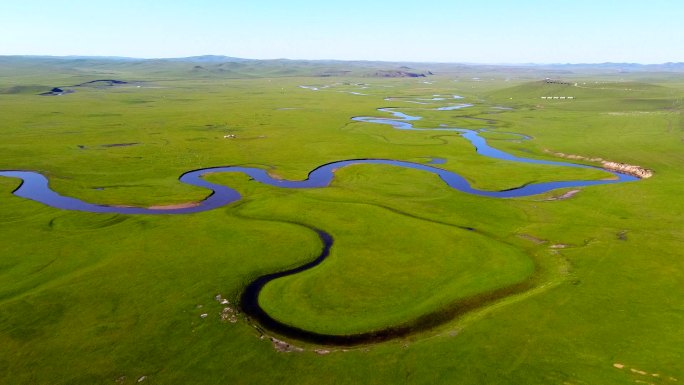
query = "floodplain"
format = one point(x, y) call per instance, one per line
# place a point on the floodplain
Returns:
point(570, 285)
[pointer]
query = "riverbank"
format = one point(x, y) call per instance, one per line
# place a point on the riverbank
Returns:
point(637, 171)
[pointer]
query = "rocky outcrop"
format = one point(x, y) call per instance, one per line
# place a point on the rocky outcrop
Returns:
point(284, 347)
point(637, 171)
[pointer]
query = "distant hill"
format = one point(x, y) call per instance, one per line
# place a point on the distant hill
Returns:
point(619, 67)
point(28, 74)
point(626, 67)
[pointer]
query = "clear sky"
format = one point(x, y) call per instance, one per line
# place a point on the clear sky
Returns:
point(483, 31)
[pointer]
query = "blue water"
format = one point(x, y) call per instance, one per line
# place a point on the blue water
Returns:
point(35, 185)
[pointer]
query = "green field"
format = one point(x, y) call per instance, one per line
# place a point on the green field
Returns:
point(591, 285)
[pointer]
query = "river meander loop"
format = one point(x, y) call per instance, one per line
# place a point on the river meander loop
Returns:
point(35, 187)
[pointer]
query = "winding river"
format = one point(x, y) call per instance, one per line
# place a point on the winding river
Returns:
point(35, 187)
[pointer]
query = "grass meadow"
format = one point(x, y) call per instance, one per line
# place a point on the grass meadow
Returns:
point(104, 298)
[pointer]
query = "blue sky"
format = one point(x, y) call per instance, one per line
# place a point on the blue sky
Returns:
point(486, 31)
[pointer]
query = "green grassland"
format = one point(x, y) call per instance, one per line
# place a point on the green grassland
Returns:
point(591, 285)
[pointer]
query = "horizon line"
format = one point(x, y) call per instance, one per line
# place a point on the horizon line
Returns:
point(113, 57)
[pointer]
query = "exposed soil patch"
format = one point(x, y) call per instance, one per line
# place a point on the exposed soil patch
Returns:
point(532, 238)
point(567, 195)
point(275, 175)
point(175, 207)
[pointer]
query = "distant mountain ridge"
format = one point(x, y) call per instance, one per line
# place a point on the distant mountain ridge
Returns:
point(207, 59)
point(627, 67)
point(679, 66)
point(79, 69)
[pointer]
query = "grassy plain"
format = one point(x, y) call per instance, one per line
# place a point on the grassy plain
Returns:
point(92, 298)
